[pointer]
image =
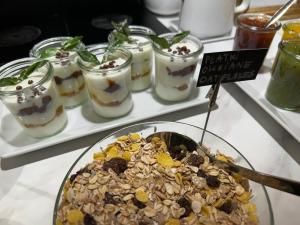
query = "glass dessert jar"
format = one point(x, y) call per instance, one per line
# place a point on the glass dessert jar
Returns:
point(251, 32)
point(109, 84)
point(142, 56)
point(175, 67)
point(34, 101)
point(284, 87)
point(67, 74)
point(291, 30)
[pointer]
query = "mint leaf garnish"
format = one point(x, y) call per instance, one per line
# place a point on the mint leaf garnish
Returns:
point(88, 57)
point(49, 52)
point(165, 43)
point(71, 43)
point(7, 81)
point(162, 42)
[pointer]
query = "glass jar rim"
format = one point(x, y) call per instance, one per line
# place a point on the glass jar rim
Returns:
point(36, 49)
point(103, 46)
point(285, 26)
point(137, 30)
point(284, 43)
point(190, 37)
point(20, 64)
point(276, 26)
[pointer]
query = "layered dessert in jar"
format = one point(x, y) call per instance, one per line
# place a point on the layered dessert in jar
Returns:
point(29, 92)
point(175, 67)
point(137, 182)
point(109, 81)
point(67, 74)
point(142, 56)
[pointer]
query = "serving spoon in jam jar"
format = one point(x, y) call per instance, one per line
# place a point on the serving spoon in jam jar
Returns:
point(280, 12)
point(174, 140)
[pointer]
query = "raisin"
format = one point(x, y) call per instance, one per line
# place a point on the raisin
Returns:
point(201, 173)
point(184, 203)
point(79, 172)
point(109, 199)
point(227, 207)
point(177, 152)
point(89, 220)
point(118, 165)
point(195, 160)
point(138, 203)
point(212, 181)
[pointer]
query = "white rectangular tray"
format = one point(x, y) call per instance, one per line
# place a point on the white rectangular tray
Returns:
point(256, 90)
point(83, 121)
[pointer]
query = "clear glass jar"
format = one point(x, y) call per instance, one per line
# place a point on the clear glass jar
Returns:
point(251, 32)
point(142, 56)
point(284, 87)
point(291, 30)
point(34, 102)
point(67, 74)
point(174, 73)
point(109, 87)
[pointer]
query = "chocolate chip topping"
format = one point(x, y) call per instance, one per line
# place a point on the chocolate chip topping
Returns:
point(109, 65)
point(60, 55)
point(212, 181)
point(184, 203)
point(118, 165)
point(30, 82)
point(138, 203)
point(195, 160)
point(19, 88)
point(89, 220)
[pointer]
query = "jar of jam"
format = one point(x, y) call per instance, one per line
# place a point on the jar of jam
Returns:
point(284, 87)
point(251, 32)
point(291, 30)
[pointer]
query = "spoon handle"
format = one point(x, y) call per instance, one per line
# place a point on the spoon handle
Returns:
point(283, 184)
point(280, 12)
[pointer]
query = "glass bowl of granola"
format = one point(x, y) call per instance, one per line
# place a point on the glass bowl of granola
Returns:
point(123, 179)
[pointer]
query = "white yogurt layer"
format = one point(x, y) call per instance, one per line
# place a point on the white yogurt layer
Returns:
point(110, 90)
point(142, 58)
point(38, 109)
point(69, 80)
point(174, 75)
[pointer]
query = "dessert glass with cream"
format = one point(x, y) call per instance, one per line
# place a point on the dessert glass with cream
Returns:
point(67, 74)
point(34, 101)
point(109, 83)
point(175, 67)
point(142, 56)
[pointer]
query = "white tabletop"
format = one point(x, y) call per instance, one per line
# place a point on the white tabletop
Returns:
point(27, 193)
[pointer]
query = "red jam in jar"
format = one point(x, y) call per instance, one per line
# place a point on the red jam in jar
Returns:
point(251, 32)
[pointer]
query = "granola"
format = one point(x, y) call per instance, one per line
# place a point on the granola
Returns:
point(133, 182)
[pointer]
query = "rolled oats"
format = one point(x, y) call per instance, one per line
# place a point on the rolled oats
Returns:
point(154, 189)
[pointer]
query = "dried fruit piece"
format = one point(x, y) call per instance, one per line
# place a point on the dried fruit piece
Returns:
point(126, 155)
point(99, 156)
point(135, 147)
point(195, 160)
point(112, 152)
point(123, 138)
point(184, 203)
point(155, 139)
point(165, 160)
point(172, 221)
point(118, 165)
point(213, 181)
point(201, 173)
point(109, 199)
point(58, 222)
point(89, 220)
point(227, 207)
point(138, 203)
point(244, 198)
point(134, 137)
point(83, 170)
point(141, 196)
point(75, 216)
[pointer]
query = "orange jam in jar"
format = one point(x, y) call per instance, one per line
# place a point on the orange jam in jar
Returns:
point(291, 30)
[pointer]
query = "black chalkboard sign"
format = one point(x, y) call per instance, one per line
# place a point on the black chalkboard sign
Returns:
point(230, 66)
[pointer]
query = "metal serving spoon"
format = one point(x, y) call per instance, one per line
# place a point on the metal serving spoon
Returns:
point(280, 12)
point(173, 139)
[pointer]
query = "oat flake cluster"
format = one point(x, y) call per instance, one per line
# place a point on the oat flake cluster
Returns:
point(133, 182)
